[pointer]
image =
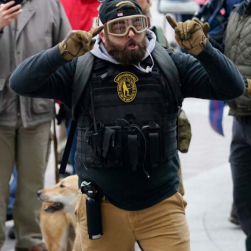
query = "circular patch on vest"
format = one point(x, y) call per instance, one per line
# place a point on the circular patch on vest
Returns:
point(126, 88)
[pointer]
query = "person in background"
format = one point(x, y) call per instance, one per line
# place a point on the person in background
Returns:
point(215, 14)
point(238, 49)
point(25, 30)
point(236, 46)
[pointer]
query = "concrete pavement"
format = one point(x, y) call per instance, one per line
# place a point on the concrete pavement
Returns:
point(209, 197)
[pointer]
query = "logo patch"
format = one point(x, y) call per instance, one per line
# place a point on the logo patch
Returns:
point(126, 88)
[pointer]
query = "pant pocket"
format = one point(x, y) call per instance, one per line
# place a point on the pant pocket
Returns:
point(181, 200)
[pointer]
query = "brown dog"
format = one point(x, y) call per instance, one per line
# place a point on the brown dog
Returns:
point(57, 218)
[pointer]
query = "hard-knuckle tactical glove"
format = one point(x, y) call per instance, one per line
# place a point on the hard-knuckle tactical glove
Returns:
point(189, 35)
point(248, 87)
point(77, 43)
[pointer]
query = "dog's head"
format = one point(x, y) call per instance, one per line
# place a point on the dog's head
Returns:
point(61, 197)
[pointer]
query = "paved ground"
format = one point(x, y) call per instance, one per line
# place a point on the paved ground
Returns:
point(207, 179)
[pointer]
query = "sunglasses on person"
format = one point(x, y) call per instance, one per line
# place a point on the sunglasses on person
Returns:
point(119, 27)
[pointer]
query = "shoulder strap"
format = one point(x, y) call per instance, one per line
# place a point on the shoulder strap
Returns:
point(170, 71)
point(84, 64)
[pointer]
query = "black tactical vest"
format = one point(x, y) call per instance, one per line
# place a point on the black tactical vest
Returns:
point(131, 118)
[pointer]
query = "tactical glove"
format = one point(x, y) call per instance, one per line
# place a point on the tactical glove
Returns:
point(77, 43)
point(205, 26)
point(189, 35)
point(248, 88)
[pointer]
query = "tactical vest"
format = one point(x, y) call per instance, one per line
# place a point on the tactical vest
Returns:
point(127, 117)
point(238, 49)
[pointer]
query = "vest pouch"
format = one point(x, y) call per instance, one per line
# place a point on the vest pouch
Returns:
point(112, 146)
point(131, 146)
point(94, 140)
point(155, 144)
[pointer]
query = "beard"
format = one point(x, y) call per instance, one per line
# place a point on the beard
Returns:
point(124, 56)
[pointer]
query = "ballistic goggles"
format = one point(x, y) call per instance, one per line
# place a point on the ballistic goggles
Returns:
point(119, 27)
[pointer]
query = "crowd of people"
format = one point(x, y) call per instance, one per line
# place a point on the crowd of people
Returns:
point(120, 87)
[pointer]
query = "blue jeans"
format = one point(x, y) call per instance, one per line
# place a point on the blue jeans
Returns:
point(12, 197)
point(73, 147)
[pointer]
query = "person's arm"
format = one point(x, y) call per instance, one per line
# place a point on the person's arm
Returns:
point(45, 75)
point(50, 74)
point(210, 75)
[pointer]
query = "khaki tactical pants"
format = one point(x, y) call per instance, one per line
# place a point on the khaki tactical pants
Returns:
point(162, 227)
point(28, 149)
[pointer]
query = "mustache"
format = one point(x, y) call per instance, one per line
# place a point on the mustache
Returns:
point(130, 42)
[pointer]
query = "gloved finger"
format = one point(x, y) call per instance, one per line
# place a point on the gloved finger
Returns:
point(92, 43)
point(177, 31)
point(88, 38)
point(196, 20)
point(79, 36)
point(85, 37)
point(185, 30)
point(181, 30)
point(193, 26)
point(171, 21)
point(95, 31)
point(177, 35)
point(206, 28)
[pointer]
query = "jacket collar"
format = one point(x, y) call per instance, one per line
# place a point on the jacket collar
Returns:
point(28, 11)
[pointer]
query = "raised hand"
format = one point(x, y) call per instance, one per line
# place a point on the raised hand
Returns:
point(8, 13)
point(77, 43)
point(189, 35)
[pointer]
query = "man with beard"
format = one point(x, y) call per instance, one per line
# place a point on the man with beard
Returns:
point(126, 156)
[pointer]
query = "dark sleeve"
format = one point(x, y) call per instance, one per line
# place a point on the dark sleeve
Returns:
point(45, 75)
point(217, 45)
point(210, 75)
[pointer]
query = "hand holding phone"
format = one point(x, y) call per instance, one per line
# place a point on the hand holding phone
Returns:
point(8, 12)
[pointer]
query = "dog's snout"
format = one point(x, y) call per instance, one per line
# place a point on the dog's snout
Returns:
point(39, 193)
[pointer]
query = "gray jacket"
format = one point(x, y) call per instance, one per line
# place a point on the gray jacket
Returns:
point(41, 25)
point(238, 49)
